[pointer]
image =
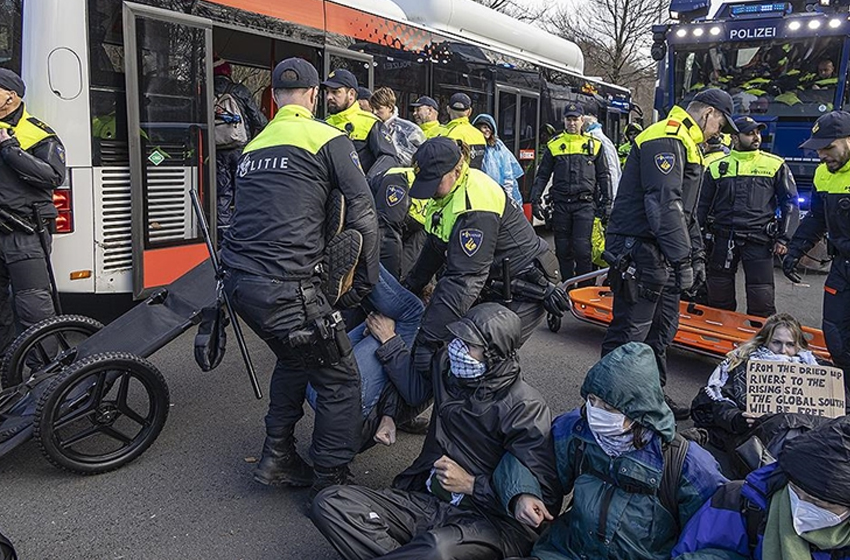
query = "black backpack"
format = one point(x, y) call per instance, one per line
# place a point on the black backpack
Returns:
point(7, 551)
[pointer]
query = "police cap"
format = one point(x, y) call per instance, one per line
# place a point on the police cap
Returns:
point(827, 129)
point(425, 101)
point(460, 102)
point(573, 110)
point(294, 73)
point(721, 101)
point(433, 159)
point(340, 79)
point(364, 93)
point(747, 124)
point(12, 82)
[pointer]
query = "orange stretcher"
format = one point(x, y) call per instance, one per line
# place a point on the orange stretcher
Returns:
point(702, 329)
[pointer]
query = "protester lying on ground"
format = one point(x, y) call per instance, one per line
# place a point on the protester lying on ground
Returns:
point(611, 454)
point(443, 505)
point(720, 407)
point(796, 509)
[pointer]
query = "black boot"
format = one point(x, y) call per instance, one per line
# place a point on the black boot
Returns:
point(680, 412)
point(281, 464)
point(329, 477)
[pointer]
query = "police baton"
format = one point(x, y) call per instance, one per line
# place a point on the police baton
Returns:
point(42, 233)
point(219, 275)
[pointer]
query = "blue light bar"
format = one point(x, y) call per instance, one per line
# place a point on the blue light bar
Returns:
point(753, 9)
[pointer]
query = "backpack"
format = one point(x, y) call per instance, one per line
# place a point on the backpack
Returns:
point(230, 131)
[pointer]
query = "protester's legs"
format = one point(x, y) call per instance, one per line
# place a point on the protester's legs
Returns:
point(720, 280)
point(757, 260)
point(226, 162)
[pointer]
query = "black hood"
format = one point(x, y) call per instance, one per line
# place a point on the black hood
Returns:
point(819, 461)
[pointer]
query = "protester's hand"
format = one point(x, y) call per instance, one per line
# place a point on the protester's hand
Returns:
point(386, 431)
point(380, 326)
point(698, 266)
point(684, 276)
point(453, 477)
point(556, 301)
point(789, 268)
point(780, 249)
point(530, 510)
point(537, 211)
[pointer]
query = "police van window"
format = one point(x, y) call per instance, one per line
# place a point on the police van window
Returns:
point(781, 78)
point(11, 21)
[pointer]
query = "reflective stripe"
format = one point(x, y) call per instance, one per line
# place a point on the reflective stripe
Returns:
point(834, 183)
point(747, 164)
point(680, 125)
point(566, 144)
point(474, 191)
point(295, 126)
point(360, 120)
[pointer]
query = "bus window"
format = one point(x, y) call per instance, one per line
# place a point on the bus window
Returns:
point(779, 78)
point(11, 18)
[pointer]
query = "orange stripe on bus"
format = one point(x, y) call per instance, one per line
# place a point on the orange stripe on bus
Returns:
point(305, 12)
point(164, 266)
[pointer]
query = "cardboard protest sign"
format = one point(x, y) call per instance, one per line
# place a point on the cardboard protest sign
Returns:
point(785, 387)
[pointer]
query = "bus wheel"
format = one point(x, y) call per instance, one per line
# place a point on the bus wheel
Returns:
point(554, 322)
point(101, 413)
point(40, 344)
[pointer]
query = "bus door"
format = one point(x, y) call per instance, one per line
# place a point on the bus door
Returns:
point(518, 119)
point(359, 64)
point(168, 70)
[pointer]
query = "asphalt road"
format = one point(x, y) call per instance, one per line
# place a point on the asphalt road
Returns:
point(191, 495)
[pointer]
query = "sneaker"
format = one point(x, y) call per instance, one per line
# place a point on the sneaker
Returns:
point(679, 412)
point(281, 465)
point(332, 476)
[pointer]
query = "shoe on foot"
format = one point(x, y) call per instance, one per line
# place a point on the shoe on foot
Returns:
point(679, 412)
point(418, 425)
point(281, 465)
point(332, 476)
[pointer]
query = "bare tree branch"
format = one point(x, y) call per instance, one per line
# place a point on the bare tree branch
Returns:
point(517, 9)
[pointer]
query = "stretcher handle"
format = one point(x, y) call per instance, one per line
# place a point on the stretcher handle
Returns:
point(583, 277)
point(237, 329)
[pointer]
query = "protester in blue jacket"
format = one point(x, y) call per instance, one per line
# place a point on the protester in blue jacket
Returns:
point(499, 162)
point(796, 509)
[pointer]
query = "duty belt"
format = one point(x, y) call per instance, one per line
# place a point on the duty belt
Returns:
point(9, 222)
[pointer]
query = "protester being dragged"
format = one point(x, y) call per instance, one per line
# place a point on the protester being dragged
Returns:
point(499, 162)
point(795, 509)
point(635, 482)
point(406, 136)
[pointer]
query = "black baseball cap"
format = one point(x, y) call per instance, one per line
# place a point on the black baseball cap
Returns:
point(748, 124)
point(433, 159)
point(573, 110)
point(425, 101)
point(460, 102)
point(340, 79)
point(364, 93)
point(10, 81)
point(294, 73)
point(721, 101)
point(827, 129)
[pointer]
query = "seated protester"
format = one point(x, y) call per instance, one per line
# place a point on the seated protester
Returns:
point(796, 509)
point(611, 454)
point(499, 162)
point(720, 406)
point(406, 135)
point(443, 505)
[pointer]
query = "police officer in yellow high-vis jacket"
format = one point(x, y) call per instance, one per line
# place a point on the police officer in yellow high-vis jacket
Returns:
point(472, 229)
point(738, 206)
point(401, 221)
point(373, 141)
point(459, 128)
point(653, 242)
point(829, 215)
point(32, 164)
point(273, 254)
point(581, 190)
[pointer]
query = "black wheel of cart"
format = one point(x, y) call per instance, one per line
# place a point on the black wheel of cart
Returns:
point(554, 322)
point(40, 344)
point(101, 413)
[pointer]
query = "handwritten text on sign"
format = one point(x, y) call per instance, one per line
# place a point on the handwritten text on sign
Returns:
point(783, 387)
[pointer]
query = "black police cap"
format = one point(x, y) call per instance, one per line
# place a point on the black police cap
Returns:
point(721, 101)
point(364, 93)
point(827, 129)
point(433, 159)
point(294, 73)
point(748, 124)
point(10, 81)
point(460, 102)
point(426, 101)
point(341, 78)
point(573, 110)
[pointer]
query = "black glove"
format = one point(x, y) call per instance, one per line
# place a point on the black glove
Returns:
point(537, 211)
point(698, 266)
point(789, 267)
point(684, 275)
point(556, 301)
point(739, 424)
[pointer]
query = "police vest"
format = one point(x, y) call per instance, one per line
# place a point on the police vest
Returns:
point(417, 205)
point(473, 192)
point(574, 170)
point(834, 190)
point(432, 129)
point(460, 129)
point(355, 122)
point(29, 131)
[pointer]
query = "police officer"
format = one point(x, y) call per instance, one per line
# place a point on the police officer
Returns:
point(630, 133)
point(459, 128)
point(739, 199)
point(401, 220)
point(425, 113)
point(371, 138)
point(32, 164)
point(472, 228)
point(713, 150)
point(653, 240)
point(273, 252)
point(581, 190)
point(829, 214)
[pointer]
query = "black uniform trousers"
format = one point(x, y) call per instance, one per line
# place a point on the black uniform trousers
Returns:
point(646, 308)
point(362, 523)
point(757, 260)
point(573, 225)
point(273, 309)
point(836, 316)
point(23, 267)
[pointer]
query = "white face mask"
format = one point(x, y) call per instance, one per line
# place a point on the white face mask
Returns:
point(604, 423)
point(809, 517)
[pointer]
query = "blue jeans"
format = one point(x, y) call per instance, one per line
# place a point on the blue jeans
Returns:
point(389, 298)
